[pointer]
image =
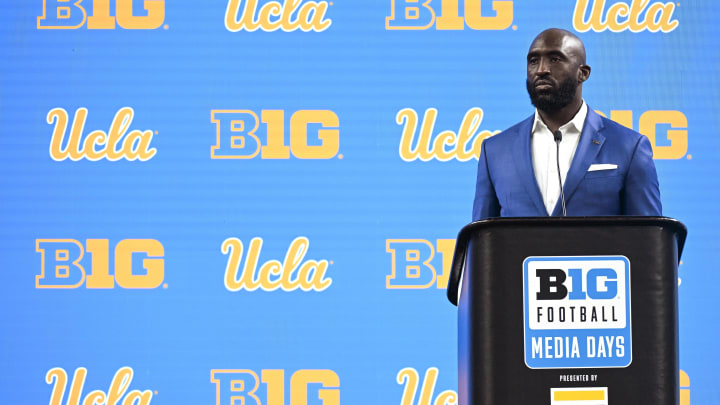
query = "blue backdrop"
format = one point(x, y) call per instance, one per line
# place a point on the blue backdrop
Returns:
point(133, 181)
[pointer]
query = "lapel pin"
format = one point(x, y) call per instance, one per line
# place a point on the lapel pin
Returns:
point(596, 142)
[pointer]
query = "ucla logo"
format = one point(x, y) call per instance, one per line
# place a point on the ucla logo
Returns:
point(411, 379)
point(637, 16)
point(420, 143)
point(113, 145)
point(649, 121)
point(70, 14)
point(61, 267)
point(293, 273)
point(238, 135)
point(414, 263)
point(289, 16)
point(577, 311)
point(421, 15)
point(306, 386)
point(117, 393)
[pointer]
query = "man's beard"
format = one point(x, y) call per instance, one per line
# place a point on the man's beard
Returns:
point(555, 99)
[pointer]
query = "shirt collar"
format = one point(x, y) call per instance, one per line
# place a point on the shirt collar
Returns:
point(578, 121)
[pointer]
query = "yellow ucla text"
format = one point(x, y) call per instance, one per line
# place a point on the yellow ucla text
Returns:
point(412, 263)
point(411, 379)
point(423, 14)
point(117, 393)
point(289, 16)
point(244, 387)
point(71, 14)
point(649, 121)
point(292, 274)
point(112, 145)
point(637, 16)
point(61, 267)
point(463, 145)
point(237, 135)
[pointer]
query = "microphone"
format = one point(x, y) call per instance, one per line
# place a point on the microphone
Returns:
point(558, 138)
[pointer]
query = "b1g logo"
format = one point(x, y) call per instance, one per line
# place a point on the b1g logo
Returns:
point(238, 135)
point(659, 125)
point(306, 386)
point(422, 14)
point(577, 311)
point(414, 263)
point(139, 263)
point(70, 14)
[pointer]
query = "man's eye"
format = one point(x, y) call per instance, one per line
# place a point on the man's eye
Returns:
point(555, 59)
point(532, 61)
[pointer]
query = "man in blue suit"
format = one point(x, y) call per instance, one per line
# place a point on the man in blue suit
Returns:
point(605, 168)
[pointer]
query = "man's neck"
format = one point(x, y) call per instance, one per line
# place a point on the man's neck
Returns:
point(556, 119)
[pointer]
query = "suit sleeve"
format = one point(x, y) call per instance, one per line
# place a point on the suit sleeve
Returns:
point(642, 191)
point(486, 204)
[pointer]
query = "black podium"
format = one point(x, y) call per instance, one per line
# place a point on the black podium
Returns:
point(567, 311)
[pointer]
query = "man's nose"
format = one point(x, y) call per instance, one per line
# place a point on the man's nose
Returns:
point(543, 66)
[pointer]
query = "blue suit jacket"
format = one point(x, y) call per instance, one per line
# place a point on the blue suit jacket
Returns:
point(506, 184)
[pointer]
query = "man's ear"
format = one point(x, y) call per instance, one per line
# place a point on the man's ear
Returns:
point(583, 73)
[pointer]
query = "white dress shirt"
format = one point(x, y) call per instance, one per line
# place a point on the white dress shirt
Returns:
point(544, 151)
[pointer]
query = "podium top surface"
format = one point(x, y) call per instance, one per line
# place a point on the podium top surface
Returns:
point(467, 232)
point(675, 225)
point(585, 221)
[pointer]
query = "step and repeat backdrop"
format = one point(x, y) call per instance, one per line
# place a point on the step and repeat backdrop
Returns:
point(255, 202)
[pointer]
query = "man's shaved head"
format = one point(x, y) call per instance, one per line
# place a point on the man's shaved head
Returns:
point(567, 41)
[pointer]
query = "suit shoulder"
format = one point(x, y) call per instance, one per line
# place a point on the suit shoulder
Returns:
point(620, 133)
point(510, 134)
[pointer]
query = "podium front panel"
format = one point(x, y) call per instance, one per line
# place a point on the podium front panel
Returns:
point(622, 350)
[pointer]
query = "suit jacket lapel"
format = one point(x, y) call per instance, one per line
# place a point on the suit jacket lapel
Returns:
point(524, 166)
point(591, 140)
